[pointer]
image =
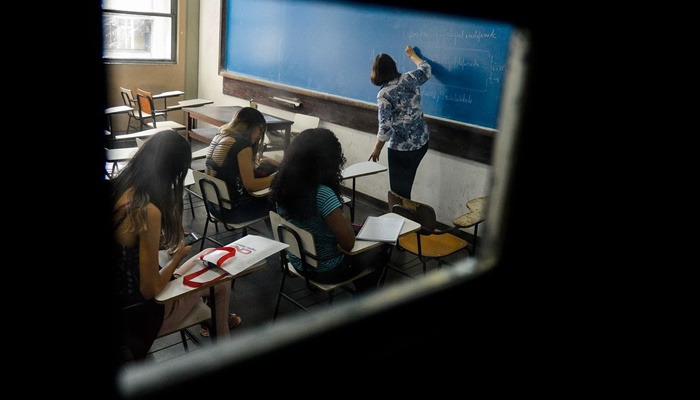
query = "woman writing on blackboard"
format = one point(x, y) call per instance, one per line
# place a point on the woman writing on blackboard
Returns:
point(401, 121)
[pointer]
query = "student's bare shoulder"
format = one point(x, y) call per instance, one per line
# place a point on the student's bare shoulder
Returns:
point(152, 211)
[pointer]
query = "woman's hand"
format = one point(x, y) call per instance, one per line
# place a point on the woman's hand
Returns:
point(187, 265)
point(182, 251)
point(270, 161)
point(411, 53)
point(374, 156)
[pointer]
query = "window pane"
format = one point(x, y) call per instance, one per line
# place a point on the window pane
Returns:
point(161, 6)
point(136, 37)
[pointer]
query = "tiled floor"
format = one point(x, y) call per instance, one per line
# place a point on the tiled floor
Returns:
point(254, 295)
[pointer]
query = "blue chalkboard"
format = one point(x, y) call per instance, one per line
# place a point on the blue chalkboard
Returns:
point(329, 48)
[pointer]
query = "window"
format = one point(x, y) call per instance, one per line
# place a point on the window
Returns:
point(139, 31)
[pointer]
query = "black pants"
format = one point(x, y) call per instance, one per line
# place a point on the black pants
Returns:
point(402, 169)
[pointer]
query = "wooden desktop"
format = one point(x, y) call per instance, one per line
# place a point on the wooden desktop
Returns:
point(220, 115)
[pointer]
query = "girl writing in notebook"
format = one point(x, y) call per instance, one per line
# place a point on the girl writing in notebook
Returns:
point(147, 217)
point(232, 158)
point(307, 192)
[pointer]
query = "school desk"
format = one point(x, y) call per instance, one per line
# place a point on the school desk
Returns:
point(140, 134)
point(112, 111)
point(191, 189)
point(175, 288)
point(165, 95)
point(244, 262)
point(190, 103)
point(219, 115)
point(189, 181)
point(473, 218)
point(117, 156)
point(364, 245)
point(357, 170)
point(121, 153)
point(352, 172)
point(194, 102)
point(201, 153)
point(189, 178)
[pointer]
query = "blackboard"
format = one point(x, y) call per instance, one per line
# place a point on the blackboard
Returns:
point(329, 48)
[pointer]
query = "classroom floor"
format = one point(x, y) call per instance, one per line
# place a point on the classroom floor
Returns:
point(254, 296)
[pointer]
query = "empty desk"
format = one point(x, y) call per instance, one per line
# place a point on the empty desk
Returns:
point(357, 170)
point(473, 218)
point(190, 103)
point(112, 111)
point(194, 102)
point(219, 115)
point(119, 155)
point(165, 95)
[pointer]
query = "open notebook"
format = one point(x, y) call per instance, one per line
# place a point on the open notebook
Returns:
point(381, 229)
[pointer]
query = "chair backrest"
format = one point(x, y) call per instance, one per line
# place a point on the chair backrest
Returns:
point(420, 212)
point(303, 121)
point(301, 242)
point(127, 97)
point(129, 100)
point(145, 101)
point(212, 189)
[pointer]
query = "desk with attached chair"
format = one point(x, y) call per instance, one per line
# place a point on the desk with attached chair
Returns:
point(116, 110)
point(165, 96)
point(251, 256)
point(473, 218)
point(430, 241)
point(147, 111)
point(357, 170)
point(116, 158)
point(302, 244)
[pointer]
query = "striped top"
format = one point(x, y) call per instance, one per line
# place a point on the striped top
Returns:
point(326, 245)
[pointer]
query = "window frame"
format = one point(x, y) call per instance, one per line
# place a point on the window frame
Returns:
point(173, 15)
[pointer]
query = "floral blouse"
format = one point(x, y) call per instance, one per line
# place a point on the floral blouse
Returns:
point(401, 122)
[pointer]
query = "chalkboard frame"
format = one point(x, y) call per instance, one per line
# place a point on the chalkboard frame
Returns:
point(450, 137)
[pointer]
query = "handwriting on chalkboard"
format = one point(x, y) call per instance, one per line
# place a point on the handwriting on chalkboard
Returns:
point(273, 41)
point(478, 35)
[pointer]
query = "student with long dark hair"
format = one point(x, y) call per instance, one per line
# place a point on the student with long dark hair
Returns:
point(307, 192)
point(147, 217)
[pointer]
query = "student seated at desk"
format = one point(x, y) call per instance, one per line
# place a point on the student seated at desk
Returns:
point(307, 192)
point(232, 158)
point(147, 212)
